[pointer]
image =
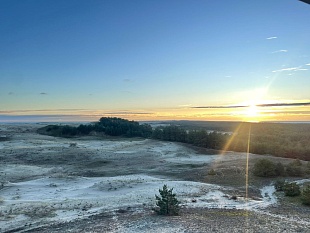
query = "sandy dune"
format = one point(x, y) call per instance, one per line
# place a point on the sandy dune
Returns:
point(46, 180)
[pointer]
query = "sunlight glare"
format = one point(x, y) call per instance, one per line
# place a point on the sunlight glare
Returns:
point(252, 113)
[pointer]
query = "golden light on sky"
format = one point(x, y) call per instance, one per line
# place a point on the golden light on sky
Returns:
point(252, 114)
point(81, 60)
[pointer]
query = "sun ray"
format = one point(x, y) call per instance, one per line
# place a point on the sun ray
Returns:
point(231, 139)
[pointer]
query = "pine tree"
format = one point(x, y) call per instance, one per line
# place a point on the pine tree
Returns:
point(167, 202)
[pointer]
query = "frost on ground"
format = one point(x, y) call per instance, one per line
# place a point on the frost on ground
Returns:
point(62, 199)
point(46, 180)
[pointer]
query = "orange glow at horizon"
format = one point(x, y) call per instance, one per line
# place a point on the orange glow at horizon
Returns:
point(253, 113)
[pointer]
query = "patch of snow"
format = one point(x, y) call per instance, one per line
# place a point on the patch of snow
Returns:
point(167, 148)
point(108, 145)
point(269, 198)
point(26, 144)
point(15, 170)
point(72, 197)
point(300, 182)
point(192, 159)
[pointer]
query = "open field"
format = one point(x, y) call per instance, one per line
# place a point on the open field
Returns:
point(90, 184)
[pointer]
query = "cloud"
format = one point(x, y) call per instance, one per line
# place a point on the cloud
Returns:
point(298, 68)
point(44, 118)
point(43, 93)
point(18, 111)
point(280, 51)
point(308, 64)
point(284, 104)
point(257, 105)
point(229, 106)
point(11, 93)
point(127, 80)
point(271, 38)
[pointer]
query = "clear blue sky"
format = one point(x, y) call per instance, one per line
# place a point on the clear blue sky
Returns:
point(159, 57)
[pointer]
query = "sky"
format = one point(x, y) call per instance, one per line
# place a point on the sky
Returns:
point(154, 60)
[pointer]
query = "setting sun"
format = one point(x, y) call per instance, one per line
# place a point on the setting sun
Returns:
point(252, 113)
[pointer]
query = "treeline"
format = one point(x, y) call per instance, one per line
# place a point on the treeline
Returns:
point(111, 126)
point(201, 138)
point(283, 140)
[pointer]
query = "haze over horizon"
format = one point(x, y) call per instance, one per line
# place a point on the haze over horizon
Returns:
point(79, 60)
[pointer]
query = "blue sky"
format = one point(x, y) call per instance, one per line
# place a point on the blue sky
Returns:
point(156, 59)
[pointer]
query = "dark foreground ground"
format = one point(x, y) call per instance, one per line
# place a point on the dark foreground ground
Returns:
point(190, 220)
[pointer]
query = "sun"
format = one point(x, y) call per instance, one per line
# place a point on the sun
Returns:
point(252, 113)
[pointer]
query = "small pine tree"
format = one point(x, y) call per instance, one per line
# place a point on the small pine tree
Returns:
point(305, 195)
point(167, 202)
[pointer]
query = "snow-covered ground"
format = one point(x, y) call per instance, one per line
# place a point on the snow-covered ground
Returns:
point(63, 199)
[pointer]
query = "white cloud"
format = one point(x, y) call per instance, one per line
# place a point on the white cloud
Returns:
point(308, 64)
point(290, 69)
point(271, 38)
point(286, 69)
point(280, 51)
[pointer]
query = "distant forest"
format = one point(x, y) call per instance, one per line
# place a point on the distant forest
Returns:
point(278, 139)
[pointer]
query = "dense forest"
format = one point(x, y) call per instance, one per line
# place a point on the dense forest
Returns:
point(278, 139)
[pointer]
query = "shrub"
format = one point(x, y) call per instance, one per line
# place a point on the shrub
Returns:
point(279, 169)
point(305, 195)
point(264, 168)
point(308, 168)
point(167, 202)
point(296, 162)
point(293, 169)
point(291, 189)
point(212, 172)
point(279, 185)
